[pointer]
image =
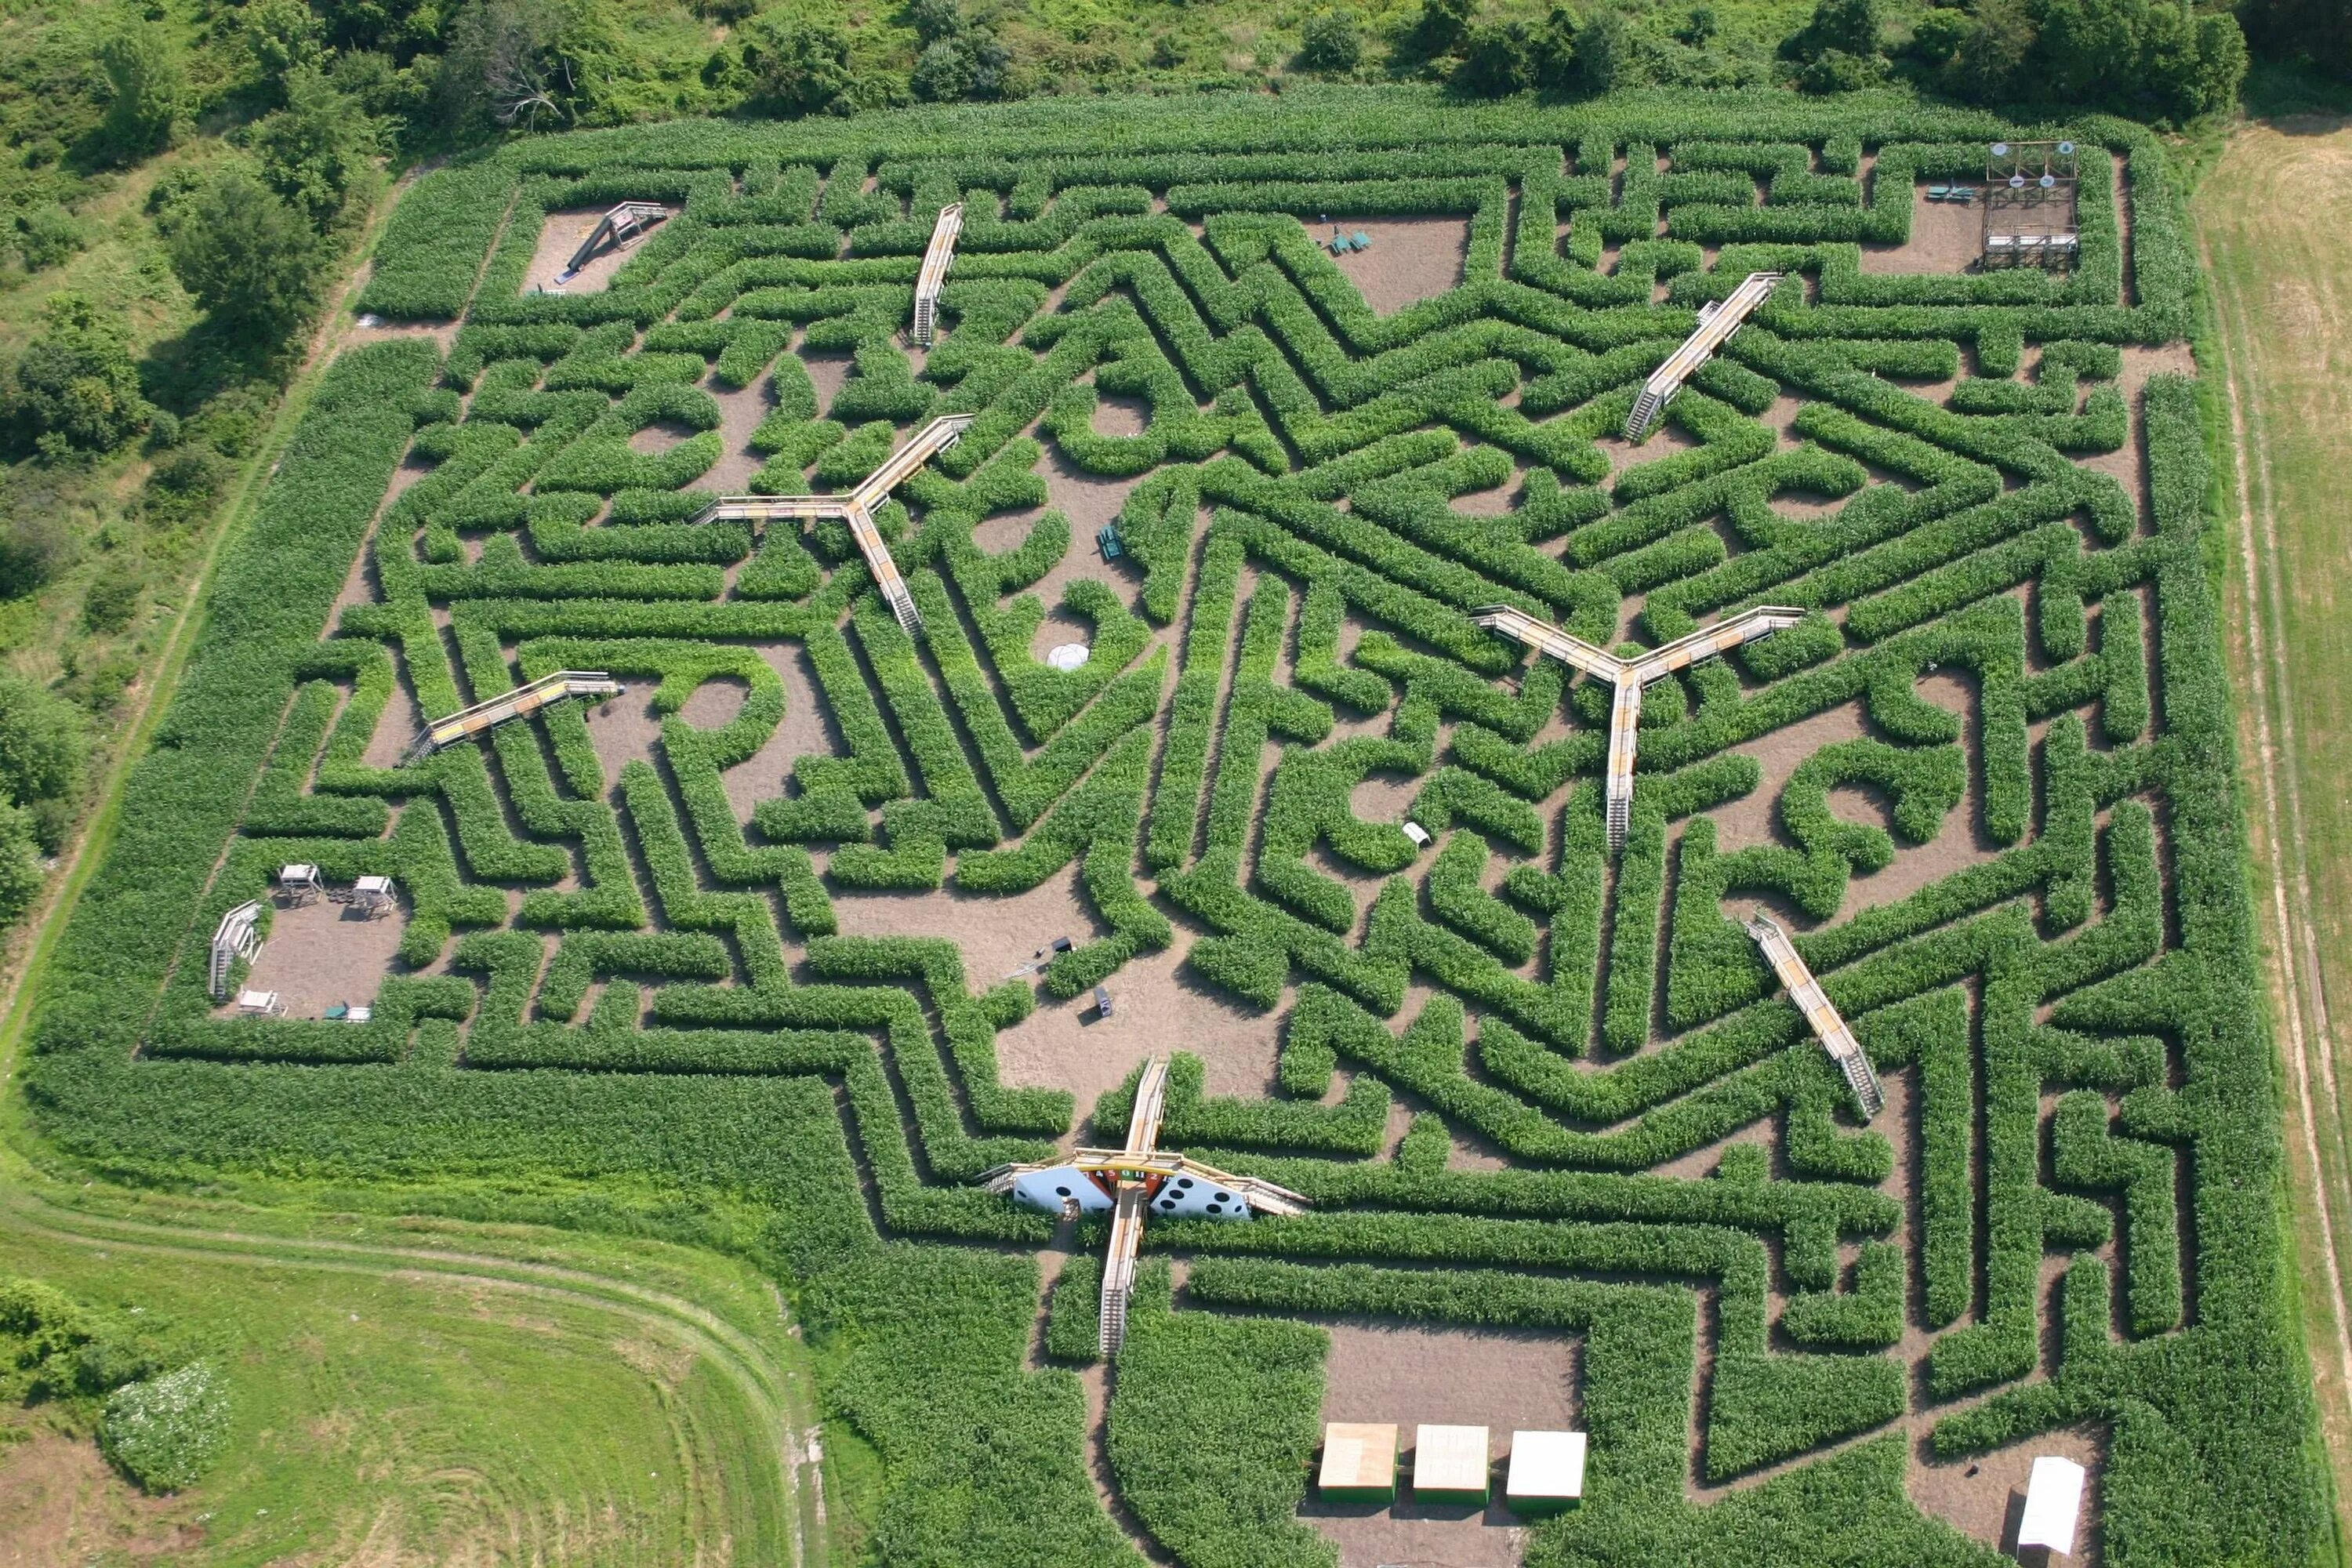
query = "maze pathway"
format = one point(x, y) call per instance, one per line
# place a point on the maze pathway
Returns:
point(1618, 1128)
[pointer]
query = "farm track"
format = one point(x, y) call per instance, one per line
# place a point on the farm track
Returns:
point(2279, 289)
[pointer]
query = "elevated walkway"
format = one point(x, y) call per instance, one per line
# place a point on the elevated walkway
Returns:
point(1131, 1184)
point(857, 509)
point(1629, 677)
point(938, 256)
point(1821, 1014)
point(1717, 321)
point(467, 722)
point(926, 443)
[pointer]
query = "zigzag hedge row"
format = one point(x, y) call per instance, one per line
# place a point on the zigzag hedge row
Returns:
point(657, 973)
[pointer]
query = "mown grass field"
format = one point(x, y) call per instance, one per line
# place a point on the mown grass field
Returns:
point(423, 1392)
point(2269, 213)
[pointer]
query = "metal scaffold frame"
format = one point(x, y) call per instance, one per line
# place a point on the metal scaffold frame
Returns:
point(1631, 677)
point(938, 256)
point(624, 226)
point(2033, 199)
point(857, 509)
point(1717, 322)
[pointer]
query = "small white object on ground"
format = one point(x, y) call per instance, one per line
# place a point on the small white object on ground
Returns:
point(1070, 656)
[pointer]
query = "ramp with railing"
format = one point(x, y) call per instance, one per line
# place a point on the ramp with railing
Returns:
point(1629, 677)
point(467, 722)
point(938, 256)
point(1717, 322)
point(1822, 1017)
point(927, 443)
point(857, 509)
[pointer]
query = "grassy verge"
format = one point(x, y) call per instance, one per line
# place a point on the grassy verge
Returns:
point(433, 1388)
point(2279, 280)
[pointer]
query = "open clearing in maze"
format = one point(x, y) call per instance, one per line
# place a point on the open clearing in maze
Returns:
point(748, 952)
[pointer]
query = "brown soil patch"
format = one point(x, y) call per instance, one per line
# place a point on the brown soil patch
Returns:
point(1410, 259)
point(2128, 463)
point(359, 583)
point(714, 704)
point(442, 334)
point(559, 239)
point(1701, 1162)
point(1087, 499)
point(322, 953)
point(61, 1503)
point(1495, 502)
point(805, 728)
point(2140, 363)
point(1754, 818)
point(1382, 797)
point(997, 936)
point(1116, 414)
point(660, 435)
point(395, 729)
point(1500, 1379)
point(828, 372)
point(624, 730)
point(1986, 1505)
point(740, 413)
point(1945, 237)
point(1663, 442)
point(1159, 1007)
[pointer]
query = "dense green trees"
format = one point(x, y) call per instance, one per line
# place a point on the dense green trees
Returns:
point(249, 258)
point(1330, 42)
point(74, 389)
point(2158, 59)
point(146, 84)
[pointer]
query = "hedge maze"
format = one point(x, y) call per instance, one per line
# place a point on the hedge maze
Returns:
point(1988, 783)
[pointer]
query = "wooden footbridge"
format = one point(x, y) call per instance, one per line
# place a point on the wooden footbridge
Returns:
point(1717, 321)
point(857, 509)
point(1132, 1183)
point(1631, 677)
point(467, 722)
point(623, 226)
point(1821, 1014)
point(938, 256)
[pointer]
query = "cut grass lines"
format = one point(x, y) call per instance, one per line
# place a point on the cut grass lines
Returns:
point(2281, 283)
point(436, 1390)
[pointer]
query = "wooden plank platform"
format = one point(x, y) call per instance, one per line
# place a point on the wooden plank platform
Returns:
point(938, 256)
point(1822, 1017)
point(1717, 322)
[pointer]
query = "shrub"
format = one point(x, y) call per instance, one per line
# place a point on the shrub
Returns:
point(1330, 43)
point(165, 1432)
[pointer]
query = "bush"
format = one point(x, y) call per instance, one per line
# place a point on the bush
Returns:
point(249, 260)
point(1496, 62)
point(74, 388)
point(145, 85)
point(47, 234)
point(1330, 42)
point(165, 1432)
